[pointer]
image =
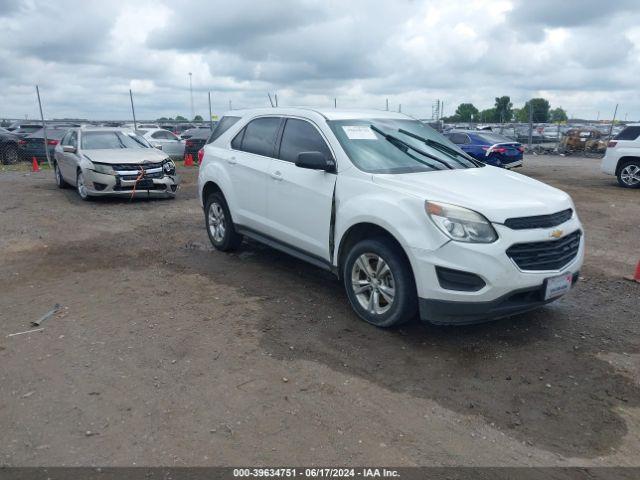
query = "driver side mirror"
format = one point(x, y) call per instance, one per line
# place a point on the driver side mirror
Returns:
point(158, 146)
point(69, 149)
point(315, 161)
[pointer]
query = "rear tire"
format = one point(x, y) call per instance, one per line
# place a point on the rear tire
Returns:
point(379, 283)
point(629, 174)
point(219, 223)
point(10, 154)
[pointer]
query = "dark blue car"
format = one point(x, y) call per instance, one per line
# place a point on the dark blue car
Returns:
point(489, 147)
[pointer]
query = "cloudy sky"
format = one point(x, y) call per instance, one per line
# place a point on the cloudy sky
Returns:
point(583, 55)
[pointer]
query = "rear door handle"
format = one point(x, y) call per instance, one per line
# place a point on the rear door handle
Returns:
point(277, 175)
point(232, 160)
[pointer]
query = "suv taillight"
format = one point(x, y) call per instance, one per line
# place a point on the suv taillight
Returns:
point(200, 155)
point(611, 144)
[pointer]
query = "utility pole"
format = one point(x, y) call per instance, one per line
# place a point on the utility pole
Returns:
point(530, 124)
point(44, 127)
point(335, 102)
point(210, 113)
point(387, 107)
point(613, 120)
point(230, 107)
point(270, 101)
point(133, 111)
point(275, 95)
point(399, 108)
point(193, 114)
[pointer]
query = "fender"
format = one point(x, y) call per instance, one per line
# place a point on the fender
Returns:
point(214, 172)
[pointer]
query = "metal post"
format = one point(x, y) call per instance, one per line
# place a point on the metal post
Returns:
point(275, 95)
point(44, 128)
point(270, 101)
point(558, 141)
point(193, 113)
point(335, 102)
point(613, 120)
point(230, 107)
point(133, 111)
point(210, 113)
point(387, 108)
point(530, 125)
point(399, 108)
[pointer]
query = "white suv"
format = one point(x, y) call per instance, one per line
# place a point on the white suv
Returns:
point(410, 223)
point(622, 158)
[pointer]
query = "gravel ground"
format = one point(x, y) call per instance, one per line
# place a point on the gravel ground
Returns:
point(169, 353)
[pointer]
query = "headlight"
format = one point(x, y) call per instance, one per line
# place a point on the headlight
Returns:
point(169, 167)
point(103, 168)
point(461, 224)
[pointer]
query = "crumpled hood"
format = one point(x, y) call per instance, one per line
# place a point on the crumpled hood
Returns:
point(496, 193)
point(126, 155)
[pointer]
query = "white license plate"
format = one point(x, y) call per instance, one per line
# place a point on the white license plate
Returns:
point(557, 286)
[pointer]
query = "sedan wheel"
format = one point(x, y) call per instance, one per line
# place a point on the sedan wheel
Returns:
point(629, 175)
point(59, 180)
point(81, 187)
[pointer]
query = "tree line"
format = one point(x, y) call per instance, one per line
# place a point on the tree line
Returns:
point(503, 112)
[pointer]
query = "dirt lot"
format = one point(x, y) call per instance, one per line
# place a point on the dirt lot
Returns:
point(169, 353)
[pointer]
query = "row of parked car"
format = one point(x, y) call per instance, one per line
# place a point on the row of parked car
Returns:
point(26, 141)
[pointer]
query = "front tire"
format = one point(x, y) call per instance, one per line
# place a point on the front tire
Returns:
point(81, 187)
point(59, 180)
point(379, 283)
point(220, 228)
point(629, 174)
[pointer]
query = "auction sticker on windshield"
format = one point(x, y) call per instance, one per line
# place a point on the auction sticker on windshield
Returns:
point(557, 286)
point(359, 132)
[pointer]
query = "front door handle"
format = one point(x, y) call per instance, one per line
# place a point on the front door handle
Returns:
point(277, 175)
point(232, 160)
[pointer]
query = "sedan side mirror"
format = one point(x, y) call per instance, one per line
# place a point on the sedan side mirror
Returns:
point(69, 149)
point(315, 161)
point(158, 146)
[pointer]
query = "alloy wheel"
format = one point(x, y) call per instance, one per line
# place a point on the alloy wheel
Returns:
point(373, 283)
point(82, 188)
point(630, 175)
point(217, 225)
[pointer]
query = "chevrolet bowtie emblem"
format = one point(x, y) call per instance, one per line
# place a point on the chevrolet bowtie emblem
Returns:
point(556, 233)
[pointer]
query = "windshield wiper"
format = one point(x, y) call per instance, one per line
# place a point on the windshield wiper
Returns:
point(442, 147)
point(397, 140)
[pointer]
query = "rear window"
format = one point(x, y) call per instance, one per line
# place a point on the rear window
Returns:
point(223, 125)
point(629, 133)
point(495, 138)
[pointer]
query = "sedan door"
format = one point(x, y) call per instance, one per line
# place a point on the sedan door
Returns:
point(68, 161)
point(300, 200)
point(170, 143)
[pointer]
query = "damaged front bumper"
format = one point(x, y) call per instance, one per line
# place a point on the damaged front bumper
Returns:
point(154, 182)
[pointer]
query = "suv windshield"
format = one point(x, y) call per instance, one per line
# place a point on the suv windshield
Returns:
point(397, 146)
point(111, 140)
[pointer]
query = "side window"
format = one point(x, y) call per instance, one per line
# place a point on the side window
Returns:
point(629, 133)
point(223, 125)
point(459, 138)
point(236, 143)
point(65, 139)
point(300, 136)
point(162, 135)
point(73, 140)
point(260, 136)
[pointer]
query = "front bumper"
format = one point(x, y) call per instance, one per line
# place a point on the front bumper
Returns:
point(507, 290)
point(443, 312)
point(100, 184)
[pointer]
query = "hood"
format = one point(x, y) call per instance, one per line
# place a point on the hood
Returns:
point(496, 193)
point(126, 155)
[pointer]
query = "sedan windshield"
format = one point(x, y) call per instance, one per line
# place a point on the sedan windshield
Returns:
point(111, 140)
point(397, 146)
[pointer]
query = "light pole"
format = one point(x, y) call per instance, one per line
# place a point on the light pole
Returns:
point(191, 95)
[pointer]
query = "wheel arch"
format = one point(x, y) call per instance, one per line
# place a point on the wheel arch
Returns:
point(623, 160)
point(361, 230)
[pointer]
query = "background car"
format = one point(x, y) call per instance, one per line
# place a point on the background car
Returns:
point(489, 147)
point(167, 141)
point(33, 145)
point(27, 129)
point(192, 131)
point(622, 157)
point(195, 139)
point(9, 148)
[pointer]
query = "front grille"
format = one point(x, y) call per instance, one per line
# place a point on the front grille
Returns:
point(539, 221)
point(133, 167)
point(548, 255)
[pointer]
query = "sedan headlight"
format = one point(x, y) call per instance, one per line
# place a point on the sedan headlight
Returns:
point(103, 168)
point(461, 224)
point(169, 167)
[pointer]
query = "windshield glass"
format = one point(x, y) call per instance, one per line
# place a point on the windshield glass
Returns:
point(112, 140)
point(372, 152)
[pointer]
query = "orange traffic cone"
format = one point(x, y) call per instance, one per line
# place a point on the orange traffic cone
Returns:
point(188, 160)
point(636, 275)
point(34, 165)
